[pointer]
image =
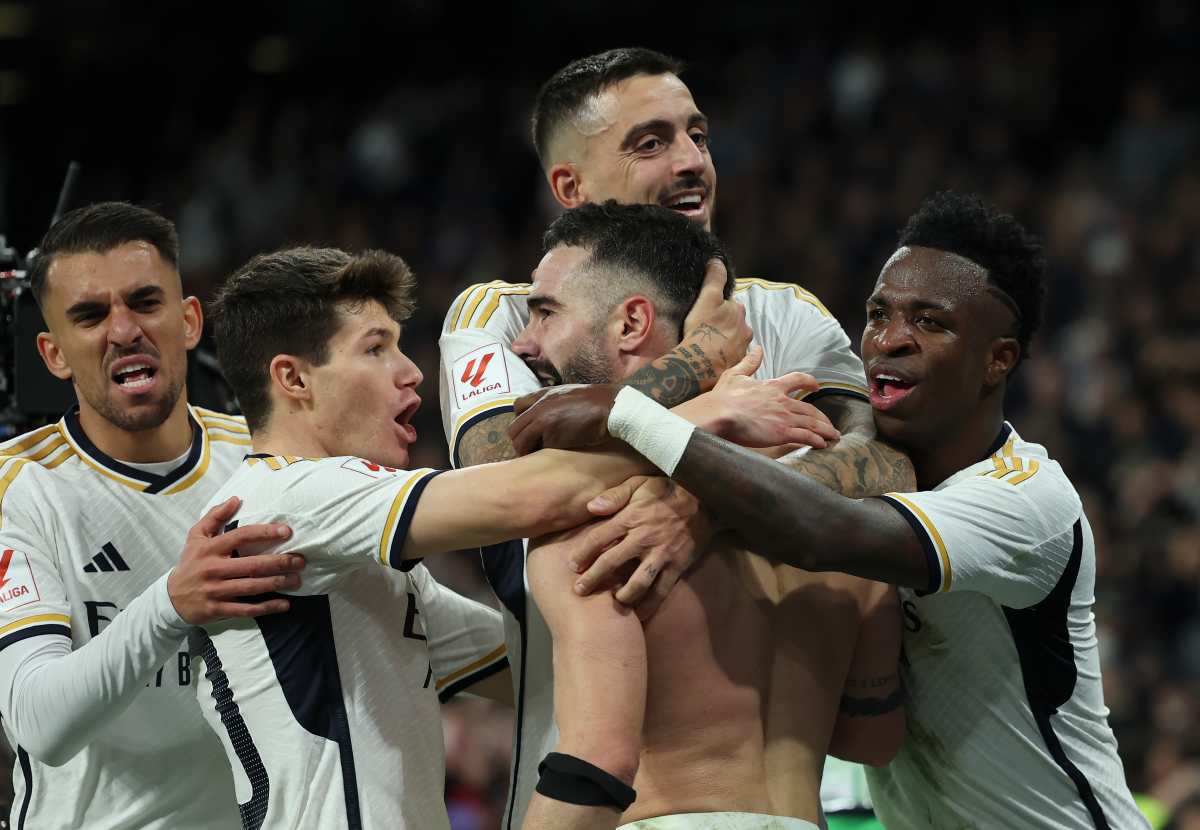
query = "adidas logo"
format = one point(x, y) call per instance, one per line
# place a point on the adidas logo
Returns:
point(106, 560)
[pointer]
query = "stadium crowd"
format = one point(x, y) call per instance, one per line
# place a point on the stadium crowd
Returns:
point(822, 154)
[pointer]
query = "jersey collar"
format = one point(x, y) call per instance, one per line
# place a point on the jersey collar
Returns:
point(173, 481)
point(1006, 431)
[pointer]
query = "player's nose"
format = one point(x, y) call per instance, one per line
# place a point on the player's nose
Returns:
point(408, 373)
point(525, 346)
point(123, 326)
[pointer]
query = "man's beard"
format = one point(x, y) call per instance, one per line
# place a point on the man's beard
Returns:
point(140, 419)
point(588, 365)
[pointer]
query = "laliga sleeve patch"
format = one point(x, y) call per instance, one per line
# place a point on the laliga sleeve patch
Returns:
point(17, 587)
point(479, 374)
point(368, 468)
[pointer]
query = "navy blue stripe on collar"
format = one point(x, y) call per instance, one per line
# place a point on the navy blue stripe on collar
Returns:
point(998, 444)
point(154, 483)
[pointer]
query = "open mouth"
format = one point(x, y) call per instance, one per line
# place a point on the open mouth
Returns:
point(407, 430)
point(888, 389)
point(134, 376)
point(689, 203)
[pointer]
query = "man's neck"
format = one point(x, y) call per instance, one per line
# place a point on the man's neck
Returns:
point(280, 438)
point(946, 455)
point(165, 442)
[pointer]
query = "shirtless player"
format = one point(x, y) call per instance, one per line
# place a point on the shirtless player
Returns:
point(739, 641)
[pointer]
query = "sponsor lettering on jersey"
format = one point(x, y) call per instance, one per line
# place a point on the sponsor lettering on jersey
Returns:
point(480, 372)
point(17, 586)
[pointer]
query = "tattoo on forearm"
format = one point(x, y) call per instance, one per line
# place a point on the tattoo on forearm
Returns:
point(675, 377)
point(858, 468)
point(868, 707)
point(487, 441)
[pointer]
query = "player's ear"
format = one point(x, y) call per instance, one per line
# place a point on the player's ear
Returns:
point(566, 185)
point(52, 356)
point(636, 317)
point(287, 376)
point(1002, 359)
point(193, 322)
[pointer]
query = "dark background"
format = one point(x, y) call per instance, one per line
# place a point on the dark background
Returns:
point(404, 126)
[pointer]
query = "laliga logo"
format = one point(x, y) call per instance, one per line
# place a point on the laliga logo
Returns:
point(474, 381)
point(477, 377)
point(10, 592)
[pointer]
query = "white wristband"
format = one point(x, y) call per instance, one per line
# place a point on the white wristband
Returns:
point(650, 428)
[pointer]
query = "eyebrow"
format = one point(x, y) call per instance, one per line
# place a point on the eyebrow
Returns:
point(880, 300)
point(378, 331)
point(85, 308)
point(534, 302)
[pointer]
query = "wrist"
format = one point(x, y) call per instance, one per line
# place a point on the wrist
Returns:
point(660, 435)
point(701, 413)
point(164, 602)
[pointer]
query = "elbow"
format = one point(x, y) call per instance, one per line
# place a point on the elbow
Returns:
point(51, 750)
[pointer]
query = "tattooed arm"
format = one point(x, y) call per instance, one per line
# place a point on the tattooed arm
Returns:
point(858, 465)
point(681, 374)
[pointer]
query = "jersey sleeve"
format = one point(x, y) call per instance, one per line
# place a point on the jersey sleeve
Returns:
point(1009, 538)
point(798, 334)
point(344, 512)
point(479, 375)
point(465, 637)
point(33, 597)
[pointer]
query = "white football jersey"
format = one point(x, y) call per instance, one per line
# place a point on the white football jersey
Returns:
point(1007, 725)
point(480, 376)
point(329, 713)
point(82, 535)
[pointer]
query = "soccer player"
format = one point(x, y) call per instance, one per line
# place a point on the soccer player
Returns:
point(95, 597)
point(622, 125)
point(609, 295)
point(1007, 724)
point(328, 712)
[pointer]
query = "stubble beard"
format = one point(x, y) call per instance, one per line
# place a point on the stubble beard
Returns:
point(136, 420)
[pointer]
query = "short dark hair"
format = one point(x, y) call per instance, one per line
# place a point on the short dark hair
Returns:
point(286, 303)
point(99, 228)
point(650, 246)
point(560, 98)
point(963, 224)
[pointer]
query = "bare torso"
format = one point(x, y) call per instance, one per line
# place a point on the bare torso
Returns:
point(746, 667)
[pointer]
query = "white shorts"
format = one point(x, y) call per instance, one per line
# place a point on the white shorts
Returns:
point(720, 821)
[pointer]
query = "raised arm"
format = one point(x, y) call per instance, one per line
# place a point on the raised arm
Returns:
point(717, 338)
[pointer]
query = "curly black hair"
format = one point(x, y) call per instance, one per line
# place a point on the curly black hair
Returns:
point(963, 224)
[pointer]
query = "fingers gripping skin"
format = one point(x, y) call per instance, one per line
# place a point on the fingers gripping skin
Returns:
point(209, 580)
point(565, 417)
point(761, 413)
point(658, 526)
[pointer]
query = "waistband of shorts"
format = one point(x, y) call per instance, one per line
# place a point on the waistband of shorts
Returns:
point(720, 821)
